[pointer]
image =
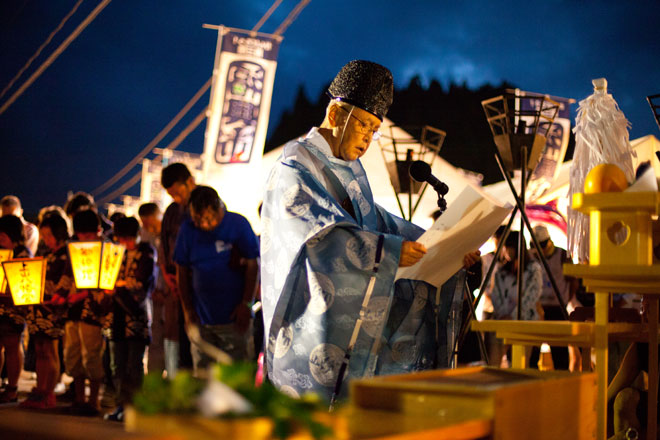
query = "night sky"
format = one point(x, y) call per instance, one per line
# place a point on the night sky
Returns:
point(134, 67)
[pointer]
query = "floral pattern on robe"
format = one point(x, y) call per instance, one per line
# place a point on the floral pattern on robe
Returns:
point(318, 257)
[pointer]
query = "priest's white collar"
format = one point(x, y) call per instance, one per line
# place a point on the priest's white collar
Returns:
point(315, 138)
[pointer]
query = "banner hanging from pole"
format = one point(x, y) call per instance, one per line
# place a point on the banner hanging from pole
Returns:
point(237, 124)
point(243, 78)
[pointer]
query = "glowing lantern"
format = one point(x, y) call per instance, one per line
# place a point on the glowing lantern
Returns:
point(5, 254)
point(26, 278)
point(110, 265)
point(95, 264)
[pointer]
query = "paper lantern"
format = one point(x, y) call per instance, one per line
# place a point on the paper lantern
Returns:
point(5, 254)
point(399, 151)
point(95, 264)
point(110, 265)
point(520, 120)
point(26, 278)
point(86, 263)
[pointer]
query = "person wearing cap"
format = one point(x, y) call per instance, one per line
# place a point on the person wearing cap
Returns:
point(556, 257)
point(330, 254)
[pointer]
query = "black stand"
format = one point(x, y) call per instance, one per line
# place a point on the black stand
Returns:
point(524, 222)
point(458, 343)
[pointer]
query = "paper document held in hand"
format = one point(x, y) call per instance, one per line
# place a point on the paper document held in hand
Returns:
point(467, 224)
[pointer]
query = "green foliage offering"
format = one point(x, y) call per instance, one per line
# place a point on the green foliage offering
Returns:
point(160, 395)
point(286, 412)
point(180, 395)
point(239, 375)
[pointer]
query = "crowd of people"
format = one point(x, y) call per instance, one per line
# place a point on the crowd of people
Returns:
point(333, 308)
point(104, 340)
point(539, 300)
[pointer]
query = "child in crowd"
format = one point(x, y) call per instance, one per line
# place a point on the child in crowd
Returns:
point(164, 347)
point(12, 322)
point(46, 322)
point(128, 324)
point(84, 345)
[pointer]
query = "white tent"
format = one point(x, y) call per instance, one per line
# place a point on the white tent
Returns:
point(379, 179)
point(644, 147)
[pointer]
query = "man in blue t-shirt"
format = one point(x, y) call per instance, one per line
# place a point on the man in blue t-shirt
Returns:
point(216, 256)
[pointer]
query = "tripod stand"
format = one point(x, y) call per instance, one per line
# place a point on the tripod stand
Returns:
point(521, 144)
point(654, 102)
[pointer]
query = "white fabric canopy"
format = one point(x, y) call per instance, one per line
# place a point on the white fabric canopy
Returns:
point(384, 194)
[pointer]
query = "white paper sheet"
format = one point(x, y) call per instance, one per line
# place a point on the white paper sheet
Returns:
point(468, 222)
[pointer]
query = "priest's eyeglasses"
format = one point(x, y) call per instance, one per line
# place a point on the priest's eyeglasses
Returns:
point(363, 127)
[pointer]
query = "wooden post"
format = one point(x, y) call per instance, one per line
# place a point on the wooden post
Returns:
point(586, 359)
point(518, 356)
point(652, 423)
point(601, 318)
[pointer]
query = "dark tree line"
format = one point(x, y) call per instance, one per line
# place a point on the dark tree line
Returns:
point(456, 110)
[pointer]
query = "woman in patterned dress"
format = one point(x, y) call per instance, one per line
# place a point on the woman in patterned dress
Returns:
point(12, 322)
point(46, 322)
point(504, 293)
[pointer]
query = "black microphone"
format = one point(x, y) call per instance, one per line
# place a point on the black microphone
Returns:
point(421, 172)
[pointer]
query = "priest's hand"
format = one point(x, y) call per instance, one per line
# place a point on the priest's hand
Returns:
point(411, 253)
point(471, 258)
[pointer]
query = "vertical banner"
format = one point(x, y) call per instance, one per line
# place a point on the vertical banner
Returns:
point(243, 78)
point(555, 147)
point(242, 90)
point(151, 189)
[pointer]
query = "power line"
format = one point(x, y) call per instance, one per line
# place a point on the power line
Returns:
point(174, 121)
point(55, 54)
point(146, 150)
point(267, 15)
point(186, 131)
point(175, 143)
point(291, 17)
point(38, 52)
point(133, 180)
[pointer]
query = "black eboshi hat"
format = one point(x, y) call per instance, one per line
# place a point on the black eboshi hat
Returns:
point(365, 85)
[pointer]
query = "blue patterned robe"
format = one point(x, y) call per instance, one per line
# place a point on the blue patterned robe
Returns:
point(317, 261)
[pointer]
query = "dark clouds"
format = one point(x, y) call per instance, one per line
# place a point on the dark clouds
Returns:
point(140, 61)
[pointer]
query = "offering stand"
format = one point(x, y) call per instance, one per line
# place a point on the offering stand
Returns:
point(621, 260)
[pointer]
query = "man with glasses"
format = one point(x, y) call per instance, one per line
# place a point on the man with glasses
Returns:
point(216, 256)
point(330, 254)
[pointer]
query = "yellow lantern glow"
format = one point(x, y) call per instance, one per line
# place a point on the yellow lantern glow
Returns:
point(110, 264)
point(5, 254)
point(26, 278)
point(95, 264)
point(86, 262)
